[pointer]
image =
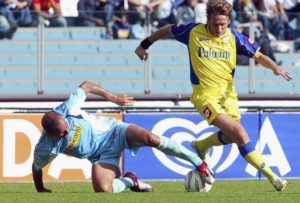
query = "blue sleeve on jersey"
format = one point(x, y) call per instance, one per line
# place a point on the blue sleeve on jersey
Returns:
point(181, 32)
point(42, 158)
point(43, 152)
point(244, 45)
point(75, 100)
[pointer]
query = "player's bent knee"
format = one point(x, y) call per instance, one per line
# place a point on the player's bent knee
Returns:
point(152, 140)
point(103, 188)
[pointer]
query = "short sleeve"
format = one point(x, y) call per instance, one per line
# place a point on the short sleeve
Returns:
point(42, 158)
point(72, 104)
point(245, 46)
point(181, 32)
point(43, 152)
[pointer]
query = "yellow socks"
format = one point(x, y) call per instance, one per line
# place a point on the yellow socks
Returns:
point(256, 159)
point(215, 139)
point(247, 151)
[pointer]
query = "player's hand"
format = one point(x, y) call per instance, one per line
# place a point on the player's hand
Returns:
point(44, 190)
point(141, 53)
point(123, 100)
point(283, 73)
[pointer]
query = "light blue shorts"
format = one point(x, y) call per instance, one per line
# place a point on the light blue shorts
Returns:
point(115, 145)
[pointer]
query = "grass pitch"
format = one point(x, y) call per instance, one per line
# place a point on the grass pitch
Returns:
point(222, 191)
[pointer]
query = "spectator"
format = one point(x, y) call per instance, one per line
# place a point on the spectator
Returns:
point(69, 11)
point(292, 9)
point(191, 11)
point(6, 30)
point(137, 17)
point(268, 15)
point(50, 11)
point(86, 12)
point(17, 12)
point(119, 18)
point(177, 3)
point(162, 12)
point(121, 27)
point(137, 11)
point(245, 11)
point(96, 13)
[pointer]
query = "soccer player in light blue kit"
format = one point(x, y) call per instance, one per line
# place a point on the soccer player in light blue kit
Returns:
point(71, 131)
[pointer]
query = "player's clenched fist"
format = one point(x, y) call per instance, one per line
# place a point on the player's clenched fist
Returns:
point(141, 53)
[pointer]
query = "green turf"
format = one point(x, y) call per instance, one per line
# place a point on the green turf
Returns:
point(223, 191)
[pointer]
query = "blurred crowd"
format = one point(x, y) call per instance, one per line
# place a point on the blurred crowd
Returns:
point(127, 18)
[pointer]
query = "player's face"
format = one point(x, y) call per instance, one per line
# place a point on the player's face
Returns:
point(63, 130)
point(217, 24)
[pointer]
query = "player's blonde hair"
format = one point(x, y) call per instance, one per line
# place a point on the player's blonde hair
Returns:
point(218, 7)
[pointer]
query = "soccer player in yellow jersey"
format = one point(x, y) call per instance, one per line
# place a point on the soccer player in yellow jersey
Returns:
point(212, 50)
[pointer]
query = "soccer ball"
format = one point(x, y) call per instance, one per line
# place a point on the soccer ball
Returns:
point(193, 182)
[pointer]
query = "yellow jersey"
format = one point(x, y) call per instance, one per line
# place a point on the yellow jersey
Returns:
point(212, 59)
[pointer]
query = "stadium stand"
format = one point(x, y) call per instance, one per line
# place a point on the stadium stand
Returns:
point(75, 54)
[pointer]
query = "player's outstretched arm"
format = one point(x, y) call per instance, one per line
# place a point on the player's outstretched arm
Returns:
point(142, 50)
point(121, 99)
point(269, 63)
point(38, 180)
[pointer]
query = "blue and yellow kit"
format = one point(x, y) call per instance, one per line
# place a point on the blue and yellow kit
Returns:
point(212, 67)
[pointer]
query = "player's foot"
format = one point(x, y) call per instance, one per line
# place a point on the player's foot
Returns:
point(206, 173)
point(279, 184)
point(202, 154)
point(139, 186)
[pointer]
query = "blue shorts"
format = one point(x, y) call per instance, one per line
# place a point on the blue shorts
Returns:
point(114, 146)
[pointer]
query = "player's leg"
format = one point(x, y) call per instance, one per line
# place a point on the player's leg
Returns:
point(224, 114)
point(137, 136)
point(202, 146)
point(231, 130)
point(234, 131)
point(107, 166)
point(209, 108)
point(103, 178)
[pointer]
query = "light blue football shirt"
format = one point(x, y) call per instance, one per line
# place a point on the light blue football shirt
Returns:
point(88, 133)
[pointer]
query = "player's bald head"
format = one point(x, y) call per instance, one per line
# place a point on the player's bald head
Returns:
point(52, 122)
